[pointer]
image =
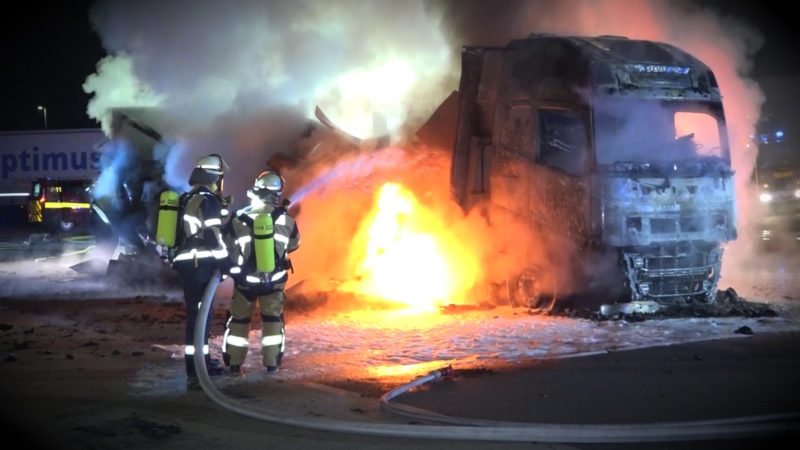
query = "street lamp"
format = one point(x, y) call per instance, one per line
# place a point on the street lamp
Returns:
point(43, 110)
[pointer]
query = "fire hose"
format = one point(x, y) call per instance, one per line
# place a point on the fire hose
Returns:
point(487, 430)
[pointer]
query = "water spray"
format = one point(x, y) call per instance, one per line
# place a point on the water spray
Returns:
point(358, 167)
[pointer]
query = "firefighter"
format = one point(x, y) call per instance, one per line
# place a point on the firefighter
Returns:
point(252, 285)
point(200, 250)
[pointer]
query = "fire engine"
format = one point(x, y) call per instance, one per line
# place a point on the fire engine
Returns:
point(60, 206)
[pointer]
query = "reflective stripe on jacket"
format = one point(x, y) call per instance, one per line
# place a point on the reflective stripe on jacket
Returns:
point(201, 225)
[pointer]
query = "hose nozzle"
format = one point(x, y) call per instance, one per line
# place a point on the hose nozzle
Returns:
point(444, 372)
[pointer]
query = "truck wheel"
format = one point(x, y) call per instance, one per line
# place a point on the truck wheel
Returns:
point(534, 289)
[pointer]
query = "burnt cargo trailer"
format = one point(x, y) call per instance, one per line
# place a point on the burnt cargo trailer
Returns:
point(617, 146)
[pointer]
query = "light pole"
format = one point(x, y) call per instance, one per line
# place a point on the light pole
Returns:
point(43, 110)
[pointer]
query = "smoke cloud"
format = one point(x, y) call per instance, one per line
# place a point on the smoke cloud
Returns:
point(243, 79)
point(203, 60)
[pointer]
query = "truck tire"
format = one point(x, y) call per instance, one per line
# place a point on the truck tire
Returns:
point(533, 288)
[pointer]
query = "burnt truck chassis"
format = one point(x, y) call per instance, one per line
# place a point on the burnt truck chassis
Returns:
point(663, 217)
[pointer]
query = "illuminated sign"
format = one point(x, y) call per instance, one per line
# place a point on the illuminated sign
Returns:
point(657, 68)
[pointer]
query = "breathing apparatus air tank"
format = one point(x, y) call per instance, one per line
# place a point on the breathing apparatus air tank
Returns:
point(264, 243)
point(167, 218)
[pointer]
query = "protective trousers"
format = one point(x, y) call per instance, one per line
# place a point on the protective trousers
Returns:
point(272, 327)
point(194, 282)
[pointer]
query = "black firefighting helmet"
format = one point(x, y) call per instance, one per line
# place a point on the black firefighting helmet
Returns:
point(209, 170)
point(268, 186)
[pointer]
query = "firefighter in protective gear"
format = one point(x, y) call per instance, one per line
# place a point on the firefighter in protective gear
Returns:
point(200, 249)
point(250, 285)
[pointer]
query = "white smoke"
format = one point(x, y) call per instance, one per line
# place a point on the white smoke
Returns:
point(116, 158)
point(115, 85)
point(202, 60)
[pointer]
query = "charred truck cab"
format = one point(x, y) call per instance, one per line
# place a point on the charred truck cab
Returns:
point(617, 147)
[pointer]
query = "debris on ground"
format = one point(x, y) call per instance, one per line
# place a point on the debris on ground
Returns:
point(727, 303)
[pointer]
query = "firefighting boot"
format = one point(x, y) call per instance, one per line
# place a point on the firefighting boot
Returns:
point(214, 368)
point(192, 383)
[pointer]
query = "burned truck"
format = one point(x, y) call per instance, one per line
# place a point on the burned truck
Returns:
point(615, 146)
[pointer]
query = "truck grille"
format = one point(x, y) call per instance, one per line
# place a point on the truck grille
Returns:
point(676, 287)
point(673, 272)
point(661, 266)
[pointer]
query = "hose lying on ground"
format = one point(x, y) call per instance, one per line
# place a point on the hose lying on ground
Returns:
point(484, 430)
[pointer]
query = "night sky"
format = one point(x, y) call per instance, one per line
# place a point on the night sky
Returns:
point(49, 48)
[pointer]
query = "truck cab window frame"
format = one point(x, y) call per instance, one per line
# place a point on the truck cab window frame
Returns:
point(561, 140)
point(517, 132)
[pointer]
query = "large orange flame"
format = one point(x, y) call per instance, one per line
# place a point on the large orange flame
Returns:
point(407, 254)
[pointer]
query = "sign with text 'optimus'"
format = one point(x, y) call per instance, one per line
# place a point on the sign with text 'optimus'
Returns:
point(59, 154)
